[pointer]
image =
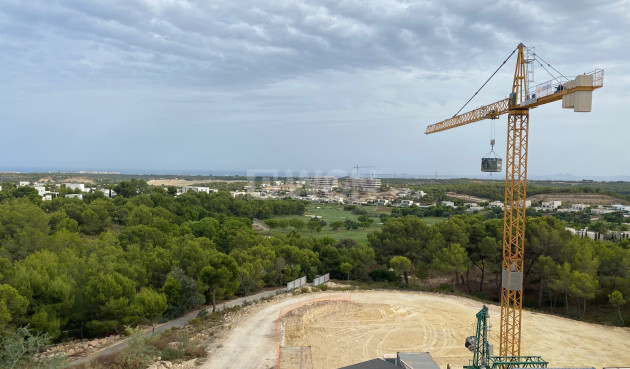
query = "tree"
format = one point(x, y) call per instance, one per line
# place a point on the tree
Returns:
point(181, 293)
point(452, 259)
point(562, 282)
point(546, 269)
point(584, 286)
point(222, 273)
point(346, 268)
point(171, 190)
point(19, 348)
point(206, 227)
point(401, 265)
point(484, 253)
point(616, 299)
point(149, 304)
point(272, 224)
point(12, 305)
point(402, 236)
point(313, 225)
point(351, 224)
point(297, 223)
point(365, 221)
point(336, 225)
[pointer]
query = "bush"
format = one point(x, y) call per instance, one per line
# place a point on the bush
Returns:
point(359, 211)
point(351, 224)
point(444, 288)
point(349, 207)
point(246, 286)
point(323, 287)
point(171, 354)
point(138, 353)
point(382, 275)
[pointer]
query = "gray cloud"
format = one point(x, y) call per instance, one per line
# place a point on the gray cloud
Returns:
point(280, 71)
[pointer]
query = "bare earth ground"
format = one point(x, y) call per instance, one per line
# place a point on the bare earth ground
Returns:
point(587, 199)
point(68, 180)
point(466, 197)
point(377, 322)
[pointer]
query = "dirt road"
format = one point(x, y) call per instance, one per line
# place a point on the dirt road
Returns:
point(252, 344)
point(175, 323)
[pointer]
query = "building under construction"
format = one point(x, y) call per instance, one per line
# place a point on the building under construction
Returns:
point(364, 184)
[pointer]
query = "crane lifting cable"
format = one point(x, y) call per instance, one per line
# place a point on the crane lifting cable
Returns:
point(491, 162)
point(488, 80)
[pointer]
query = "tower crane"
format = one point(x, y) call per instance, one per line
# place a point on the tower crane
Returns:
point(576, 94)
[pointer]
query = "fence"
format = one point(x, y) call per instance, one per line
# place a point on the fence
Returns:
point(321, 279)
point(296, 283)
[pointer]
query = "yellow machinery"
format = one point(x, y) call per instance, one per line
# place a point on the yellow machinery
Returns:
point(576, 94)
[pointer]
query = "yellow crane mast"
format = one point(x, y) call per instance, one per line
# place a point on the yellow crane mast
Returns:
point(576, 94)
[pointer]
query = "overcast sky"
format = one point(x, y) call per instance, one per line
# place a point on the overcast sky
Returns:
point(207, 86)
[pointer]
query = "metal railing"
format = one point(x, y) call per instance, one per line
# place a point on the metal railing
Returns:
point(556, 85)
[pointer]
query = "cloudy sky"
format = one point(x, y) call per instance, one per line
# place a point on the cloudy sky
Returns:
point(208, 86)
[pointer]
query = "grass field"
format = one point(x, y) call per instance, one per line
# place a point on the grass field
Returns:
point(334, 212)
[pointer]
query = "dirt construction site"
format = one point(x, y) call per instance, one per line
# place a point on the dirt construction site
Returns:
point(350, 327)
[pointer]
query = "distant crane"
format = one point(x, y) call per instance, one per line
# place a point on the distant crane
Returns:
point(576, 94)
point(355, 194)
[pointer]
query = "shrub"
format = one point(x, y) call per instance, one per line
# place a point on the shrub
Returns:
point(382, 275)
point(359, 211)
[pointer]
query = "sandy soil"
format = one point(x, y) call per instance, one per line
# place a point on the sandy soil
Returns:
point(588, 199)
point(374, 323)
point(67, 180)
point(467, 198)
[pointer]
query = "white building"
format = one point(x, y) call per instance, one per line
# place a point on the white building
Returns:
point(75, 196)
point(406, 203)
point(324, 183)
point(496, 204)
point(448, 203)
point(551, 205)
point(108, 192)
point(207, 190)
point(76, 186)
point(238, 193)
point(619, 207)
point(578, 207)
point(600, 210)
point(41, 190)
point(382, 202)
point(364, 184)
point(49, 196)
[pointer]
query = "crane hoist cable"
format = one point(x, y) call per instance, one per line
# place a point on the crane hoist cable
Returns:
point(488, 80)
point(550, 66)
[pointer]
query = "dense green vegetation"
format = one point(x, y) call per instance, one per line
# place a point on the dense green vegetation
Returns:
point(494, 190)
point(84, 268)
